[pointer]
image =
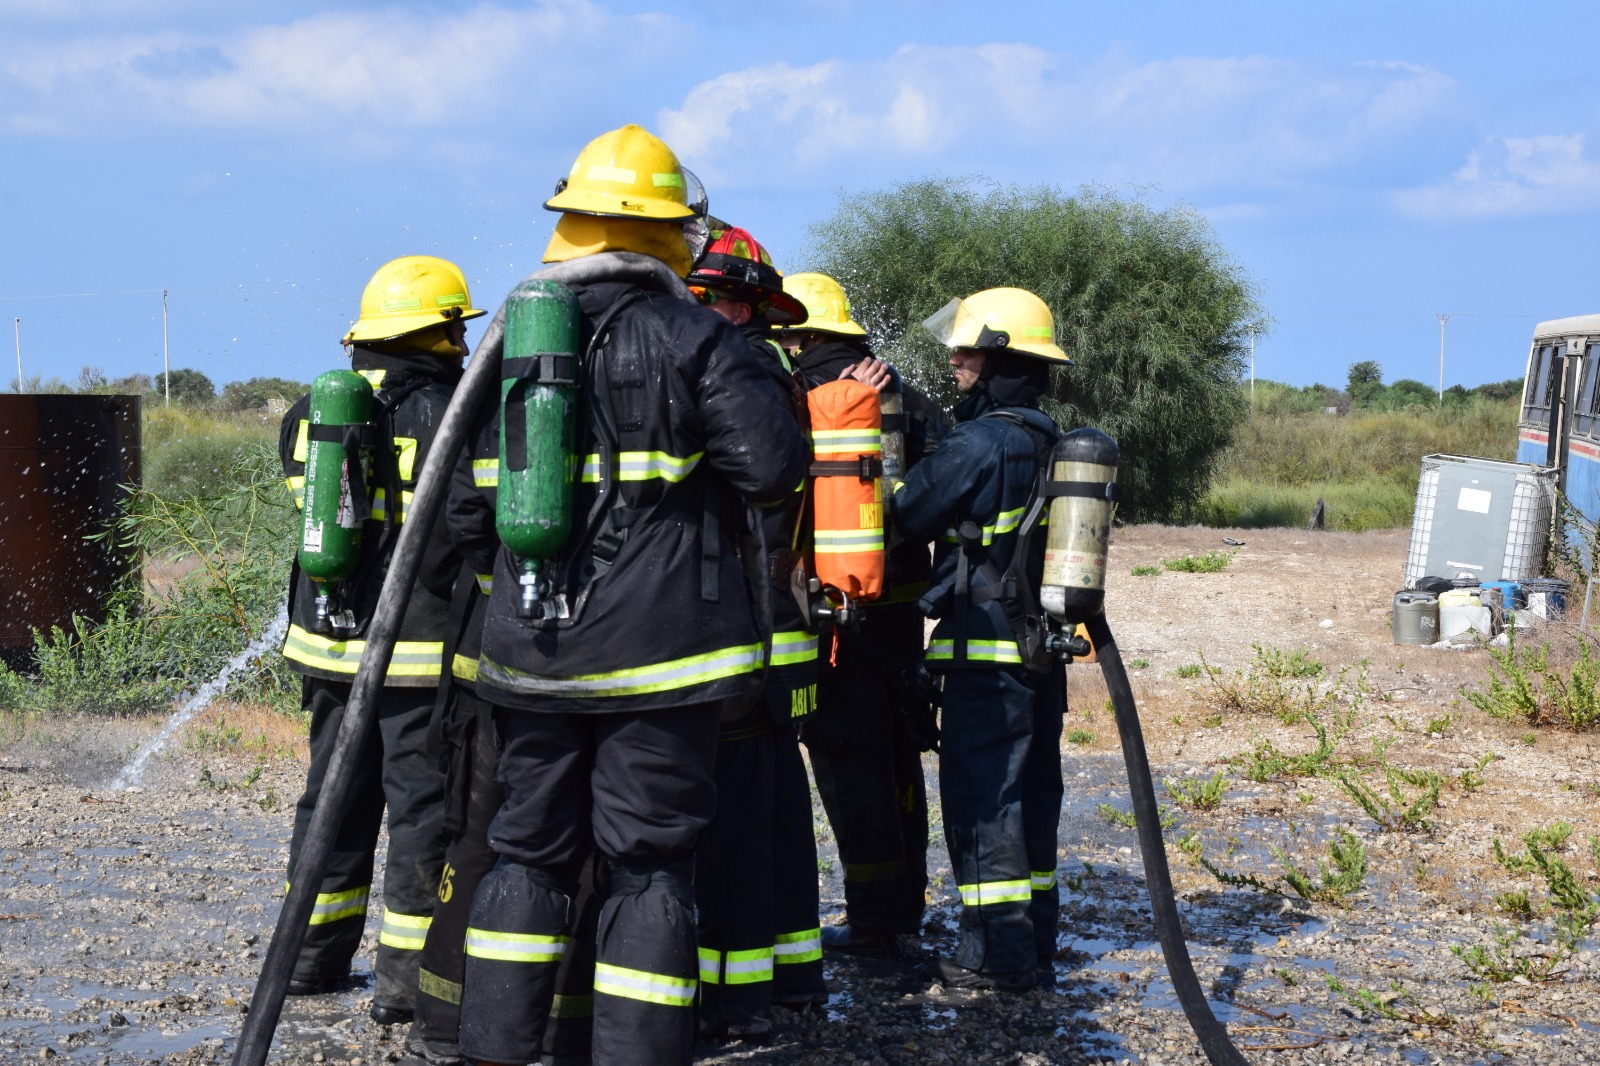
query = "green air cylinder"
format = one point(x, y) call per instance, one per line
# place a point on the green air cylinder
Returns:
point(330, 532)
point(538, 417)
point(1083, 468)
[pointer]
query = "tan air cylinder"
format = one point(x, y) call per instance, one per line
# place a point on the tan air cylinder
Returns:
point(1083, 467)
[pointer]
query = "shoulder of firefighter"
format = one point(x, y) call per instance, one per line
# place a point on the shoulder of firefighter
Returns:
point(648, 604)
point(411, 394)
point(969, 497)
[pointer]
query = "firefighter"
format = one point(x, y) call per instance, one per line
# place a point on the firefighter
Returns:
point(999, 767)
point(872, 719)
point(408, 343)
point(756, 872)
point(464, 734)
point(607, 717)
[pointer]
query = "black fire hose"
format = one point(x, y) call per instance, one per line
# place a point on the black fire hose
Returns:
point(266, 1003)
point(1157, 877)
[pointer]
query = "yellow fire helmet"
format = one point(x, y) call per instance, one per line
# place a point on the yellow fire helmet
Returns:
point(411, 293)
point(627, 173)
point(827, 307)
point(1011, 319)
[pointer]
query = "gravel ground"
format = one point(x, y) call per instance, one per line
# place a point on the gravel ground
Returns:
point(134, 922)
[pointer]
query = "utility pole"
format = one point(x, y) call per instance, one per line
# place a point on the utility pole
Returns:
point(167, 367)
point(17, 323)
point(1442, 320)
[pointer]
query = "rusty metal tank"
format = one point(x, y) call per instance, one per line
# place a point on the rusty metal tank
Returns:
point(63, 463)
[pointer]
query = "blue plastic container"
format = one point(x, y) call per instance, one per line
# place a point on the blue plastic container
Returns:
point(1512, 598)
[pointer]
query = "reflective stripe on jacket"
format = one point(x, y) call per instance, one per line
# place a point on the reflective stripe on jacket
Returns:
point(695, 412)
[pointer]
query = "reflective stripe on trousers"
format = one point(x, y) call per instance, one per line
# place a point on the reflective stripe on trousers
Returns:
point(736, 967)
point(804, 946)
point(337, 906)
point(404, 931)
point(990, 892)
point(514, 947)
point(643, 986)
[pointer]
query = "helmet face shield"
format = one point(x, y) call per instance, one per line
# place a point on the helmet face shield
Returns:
point(953, 325)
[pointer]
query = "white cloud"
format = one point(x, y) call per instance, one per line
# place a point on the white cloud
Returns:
point(389, 72)
point(1184, 121)
point(1513, 176)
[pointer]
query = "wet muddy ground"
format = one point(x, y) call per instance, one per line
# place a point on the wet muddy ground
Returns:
point(133, 923)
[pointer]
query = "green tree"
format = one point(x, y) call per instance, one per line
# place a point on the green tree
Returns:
point(1365, 383)
point(188, 387)
point(1408, 392)
point(1510, 389)
point(249, 395)
point(1154, 312)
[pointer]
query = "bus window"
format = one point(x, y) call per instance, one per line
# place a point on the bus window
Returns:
point(1536, 402)
point(1583, 422)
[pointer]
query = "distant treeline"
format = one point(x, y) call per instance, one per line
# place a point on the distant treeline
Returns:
point(187, 388)
point(1365, 391)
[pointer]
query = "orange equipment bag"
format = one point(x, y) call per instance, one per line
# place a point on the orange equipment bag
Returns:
point(847, 490)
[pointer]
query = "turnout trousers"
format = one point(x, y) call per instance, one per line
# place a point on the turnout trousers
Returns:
point(760, 941)
point(869, 771)
point(475, 796)
point(637, 787)
point(393, 770)
point(1000, 789)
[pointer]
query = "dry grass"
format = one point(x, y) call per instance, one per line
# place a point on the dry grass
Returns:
point(249, 730)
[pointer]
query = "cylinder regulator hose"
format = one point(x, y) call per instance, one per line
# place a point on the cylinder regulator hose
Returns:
point(1157, 876)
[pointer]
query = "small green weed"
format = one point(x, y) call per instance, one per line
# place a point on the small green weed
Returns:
point(1127, 820)
point(1508, 958)
point(1138, 664)
point(1211, 721)
point(1209, 563)
point(1335, 880)
point(1288, 686)
point(1438, 727)
point(1145, 571)
point(1188, 670)
point(1395, 1005)
point(1265, 762)
point(1397, 810)
point(221, 737)
point(1472, 780)
point(1517, 904)
point(1080, 737)
point(1275, 662)
point(1198, 795)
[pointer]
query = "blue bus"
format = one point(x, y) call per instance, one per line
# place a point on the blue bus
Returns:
point(1560, 422)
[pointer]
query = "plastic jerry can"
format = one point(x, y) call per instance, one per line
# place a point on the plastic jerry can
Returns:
point(1416, 617)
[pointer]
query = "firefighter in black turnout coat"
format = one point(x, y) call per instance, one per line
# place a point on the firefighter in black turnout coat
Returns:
point(1000, 769)
point(408, 344)
point(756, 870)
point(608, 718)
point(872, 720)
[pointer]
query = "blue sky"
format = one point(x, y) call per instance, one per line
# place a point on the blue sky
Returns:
point(1368, 164)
